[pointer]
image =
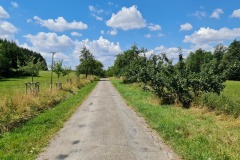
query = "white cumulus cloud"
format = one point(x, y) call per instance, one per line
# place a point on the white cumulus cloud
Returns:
point(154, 27)
point(172, 52)
point(126, 19)
point(208, 35)
point(113, 32)
point(104, 50)
point(7, 30)
point(216, 13)
point(3, 13)
point(186, 27)
point(60, 24)
point(236, 13)
point(48, 42)
point(76, 34)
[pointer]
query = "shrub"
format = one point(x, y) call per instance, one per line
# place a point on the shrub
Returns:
point(220, 103)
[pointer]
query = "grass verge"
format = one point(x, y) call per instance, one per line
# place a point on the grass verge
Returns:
point(27, 141)
point(18, 107)
point(193, 133)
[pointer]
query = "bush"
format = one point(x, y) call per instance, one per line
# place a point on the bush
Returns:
point(220, 103)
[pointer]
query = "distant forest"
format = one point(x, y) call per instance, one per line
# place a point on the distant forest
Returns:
point(13, 57)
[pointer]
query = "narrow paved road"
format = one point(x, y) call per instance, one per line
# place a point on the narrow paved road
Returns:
point(105, 128)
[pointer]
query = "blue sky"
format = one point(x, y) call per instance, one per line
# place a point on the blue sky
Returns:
point(108, 27)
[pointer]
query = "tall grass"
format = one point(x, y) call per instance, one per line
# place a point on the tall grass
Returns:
point(27, 141)
point(226, 103)
point(193, 133)
point(18, 106)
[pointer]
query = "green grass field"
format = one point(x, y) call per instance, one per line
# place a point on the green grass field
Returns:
point(232, 90)
point(10, 86)
point(193, 133)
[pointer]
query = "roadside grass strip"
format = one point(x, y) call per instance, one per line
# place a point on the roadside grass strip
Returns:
point(193, 133)
point(28, 140)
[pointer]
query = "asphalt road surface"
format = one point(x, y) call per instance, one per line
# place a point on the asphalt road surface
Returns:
point(105, 128)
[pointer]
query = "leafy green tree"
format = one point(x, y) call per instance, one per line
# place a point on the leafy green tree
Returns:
point(180, 85)
point(32, 68)
point(112, 71)
point(233, 71)
point(196, 59)
point(86, 61)
point(181, 82)
point(89, 65)
point(97, 68)
point(13, 57)
point(219, 52)
point(58, 69)
point(5, 61)
point(66, 71)
point(128, 64)
point(159, 69)
point(231, 60)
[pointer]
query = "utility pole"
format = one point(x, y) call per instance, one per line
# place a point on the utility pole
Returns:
point(52, 70)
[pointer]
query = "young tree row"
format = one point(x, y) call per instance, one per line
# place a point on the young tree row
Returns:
point(199, 73)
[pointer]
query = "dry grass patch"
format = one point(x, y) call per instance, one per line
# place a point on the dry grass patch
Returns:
point(19, 107)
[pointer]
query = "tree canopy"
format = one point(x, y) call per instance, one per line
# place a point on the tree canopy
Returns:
point(181, 82)
point(88, 64)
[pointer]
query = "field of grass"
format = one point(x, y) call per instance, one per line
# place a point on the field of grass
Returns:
point(9, 86)
point(193, 133)
point(232, 90)
point(28, 140)
point(17, 107)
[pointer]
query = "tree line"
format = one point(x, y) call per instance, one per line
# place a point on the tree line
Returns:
point(201, 72)
point(17, 61)
point(14, 59)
